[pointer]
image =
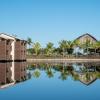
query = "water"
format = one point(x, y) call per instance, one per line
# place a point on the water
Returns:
point(57, 81)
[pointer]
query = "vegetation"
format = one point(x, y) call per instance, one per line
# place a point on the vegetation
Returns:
point(49, 49)
point(36, 73)
point(36, 47)
point(29, 41)
point(64, 48)
point(86, 74)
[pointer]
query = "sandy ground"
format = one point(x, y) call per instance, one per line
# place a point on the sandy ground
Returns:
point(63, 60)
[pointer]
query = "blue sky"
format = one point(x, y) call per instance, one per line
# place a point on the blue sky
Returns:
point(50, 20)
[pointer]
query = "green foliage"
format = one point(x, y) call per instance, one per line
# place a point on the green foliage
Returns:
point(29, 41)
point(49, 72)
point(36, 73)
point(36, 47)
point(30, 51)
point(49, 49)
point(65, 47)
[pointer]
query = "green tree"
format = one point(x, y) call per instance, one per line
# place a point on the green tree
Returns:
point(29, 41)
point(96, 46)
point(49, 49)
point(63, 46)
point(77, 43)
point(70, 47)
point(86, 45)
point(36, 47)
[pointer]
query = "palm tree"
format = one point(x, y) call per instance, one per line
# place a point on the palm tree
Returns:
point(75, 76)
point(36, 47)
point(70, 47)
point(77, 43)
point(77, 46)
point(49, 49)
point(49, 72)
point(63, 46)
point(97, 46)
point(86, 46)
point(64, 73)
point(29, 41)
point(98, 75)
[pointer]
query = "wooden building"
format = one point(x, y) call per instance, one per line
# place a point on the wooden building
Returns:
point(86, 37)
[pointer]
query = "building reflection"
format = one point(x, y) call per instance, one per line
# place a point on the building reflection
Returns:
point(12, 72)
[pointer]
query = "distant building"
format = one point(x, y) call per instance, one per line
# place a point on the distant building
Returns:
point(86, 37)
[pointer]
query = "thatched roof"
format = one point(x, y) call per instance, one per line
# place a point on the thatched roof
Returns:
point(89, 82)
point(86, 34)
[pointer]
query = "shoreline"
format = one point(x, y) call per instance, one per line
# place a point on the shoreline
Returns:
point(62, 60)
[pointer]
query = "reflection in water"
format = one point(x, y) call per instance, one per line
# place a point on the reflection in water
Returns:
point(11, 73)
point(36, 73)
point(86, 73)
point(14, 72)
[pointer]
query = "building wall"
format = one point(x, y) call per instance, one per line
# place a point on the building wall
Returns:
point(5, 50)
point(8, 72)
point(2, 73)
point(17, 50)
point(8, 50)
point(20, 50)
point(20, 71)
point(2, 49)
point(5, 73)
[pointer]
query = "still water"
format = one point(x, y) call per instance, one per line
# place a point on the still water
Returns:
point(57, 81)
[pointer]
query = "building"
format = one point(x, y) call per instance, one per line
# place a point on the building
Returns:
point(5, 49)
point(15, 48)
point(86, 37)
point(86, 40)
point(12, 59)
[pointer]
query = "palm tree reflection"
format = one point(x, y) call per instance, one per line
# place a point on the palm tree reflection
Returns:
point(49, 71)
point(87, 73)
point(36, 73)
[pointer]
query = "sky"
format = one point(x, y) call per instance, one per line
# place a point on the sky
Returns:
point(50, 20)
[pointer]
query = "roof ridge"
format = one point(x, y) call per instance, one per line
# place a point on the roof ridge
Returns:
point(88, 35)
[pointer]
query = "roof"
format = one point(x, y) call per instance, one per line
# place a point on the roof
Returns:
point(85, 35)
point(5, 38)
point(88, 83)
point(10, 37)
